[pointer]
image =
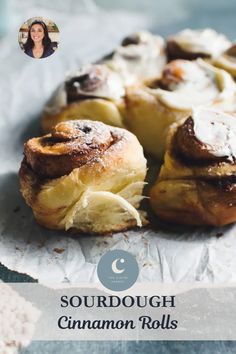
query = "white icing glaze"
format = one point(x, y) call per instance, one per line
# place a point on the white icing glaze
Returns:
point(144, 60)
point(205, 41)
point(202, 84)
point(217, 130)
point(111, 88)
point(120, 67)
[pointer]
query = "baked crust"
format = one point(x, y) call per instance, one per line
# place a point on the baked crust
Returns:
point(195, 186)
point(149, 119)
point(102, 188)
point(94, 92)
point(152, 108)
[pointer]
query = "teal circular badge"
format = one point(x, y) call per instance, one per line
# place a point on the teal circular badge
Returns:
point(118, 270)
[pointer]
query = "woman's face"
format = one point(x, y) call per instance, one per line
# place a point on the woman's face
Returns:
point(37, 33)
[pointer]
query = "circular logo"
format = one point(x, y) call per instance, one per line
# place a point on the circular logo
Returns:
point(118, 270)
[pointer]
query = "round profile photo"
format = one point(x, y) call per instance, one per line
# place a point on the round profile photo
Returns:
point(38, 37)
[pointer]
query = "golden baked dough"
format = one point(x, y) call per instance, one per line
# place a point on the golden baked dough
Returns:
point(94, 91)
point(84, 175)
point(197, 182)
point(151, 109)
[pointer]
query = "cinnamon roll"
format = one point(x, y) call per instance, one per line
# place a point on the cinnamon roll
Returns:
point(227, 60)
point(85, 175)
point(94, 92)
point(150, 110)
point(141, 56)
point(197, 182)
point(192, 44)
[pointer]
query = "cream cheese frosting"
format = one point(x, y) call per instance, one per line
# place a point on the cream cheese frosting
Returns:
point(201, 83)
point(217, 130)
point(109, 83)
point(205, 41)
point(144, 58)
point(109, 86)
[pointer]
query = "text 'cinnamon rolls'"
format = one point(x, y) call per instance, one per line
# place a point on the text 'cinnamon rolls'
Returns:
point(197, 183)
point(150, 110)
point(93, 91)
point(84, 175)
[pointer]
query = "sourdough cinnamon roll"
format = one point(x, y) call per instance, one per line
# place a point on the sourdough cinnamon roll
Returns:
point(192, 44)
point(141, 56)
point(227, 60)
point(84, 175)
point(93, 91)
point(197, 182)
point(150, 110)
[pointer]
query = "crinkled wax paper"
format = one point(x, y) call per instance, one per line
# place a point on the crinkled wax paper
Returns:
point(164, 255)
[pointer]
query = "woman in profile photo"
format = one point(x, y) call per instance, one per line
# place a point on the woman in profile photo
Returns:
point(38, 44)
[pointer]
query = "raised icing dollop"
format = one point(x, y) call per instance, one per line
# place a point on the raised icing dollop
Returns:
point(95, 81)
point(216, 130)
point(194, 83)
point(205, 41)
point(142, 54)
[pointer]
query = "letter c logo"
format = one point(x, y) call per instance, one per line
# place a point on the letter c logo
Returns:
point(117, 270)
point(114, 266)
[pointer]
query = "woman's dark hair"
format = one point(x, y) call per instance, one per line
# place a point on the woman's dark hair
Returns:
point(29, 44)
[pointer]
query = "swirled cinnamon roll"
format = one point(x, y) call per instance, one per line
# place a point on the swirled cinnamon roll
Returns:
point(197, 182)
point(84, 175)
point(227, 60)
point(94, 91)
point(141, 56)
point(150, 110)
point(192, 44)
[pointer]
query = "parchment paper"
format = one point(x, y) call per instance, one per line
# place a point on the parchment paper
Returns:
point(164, 254)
